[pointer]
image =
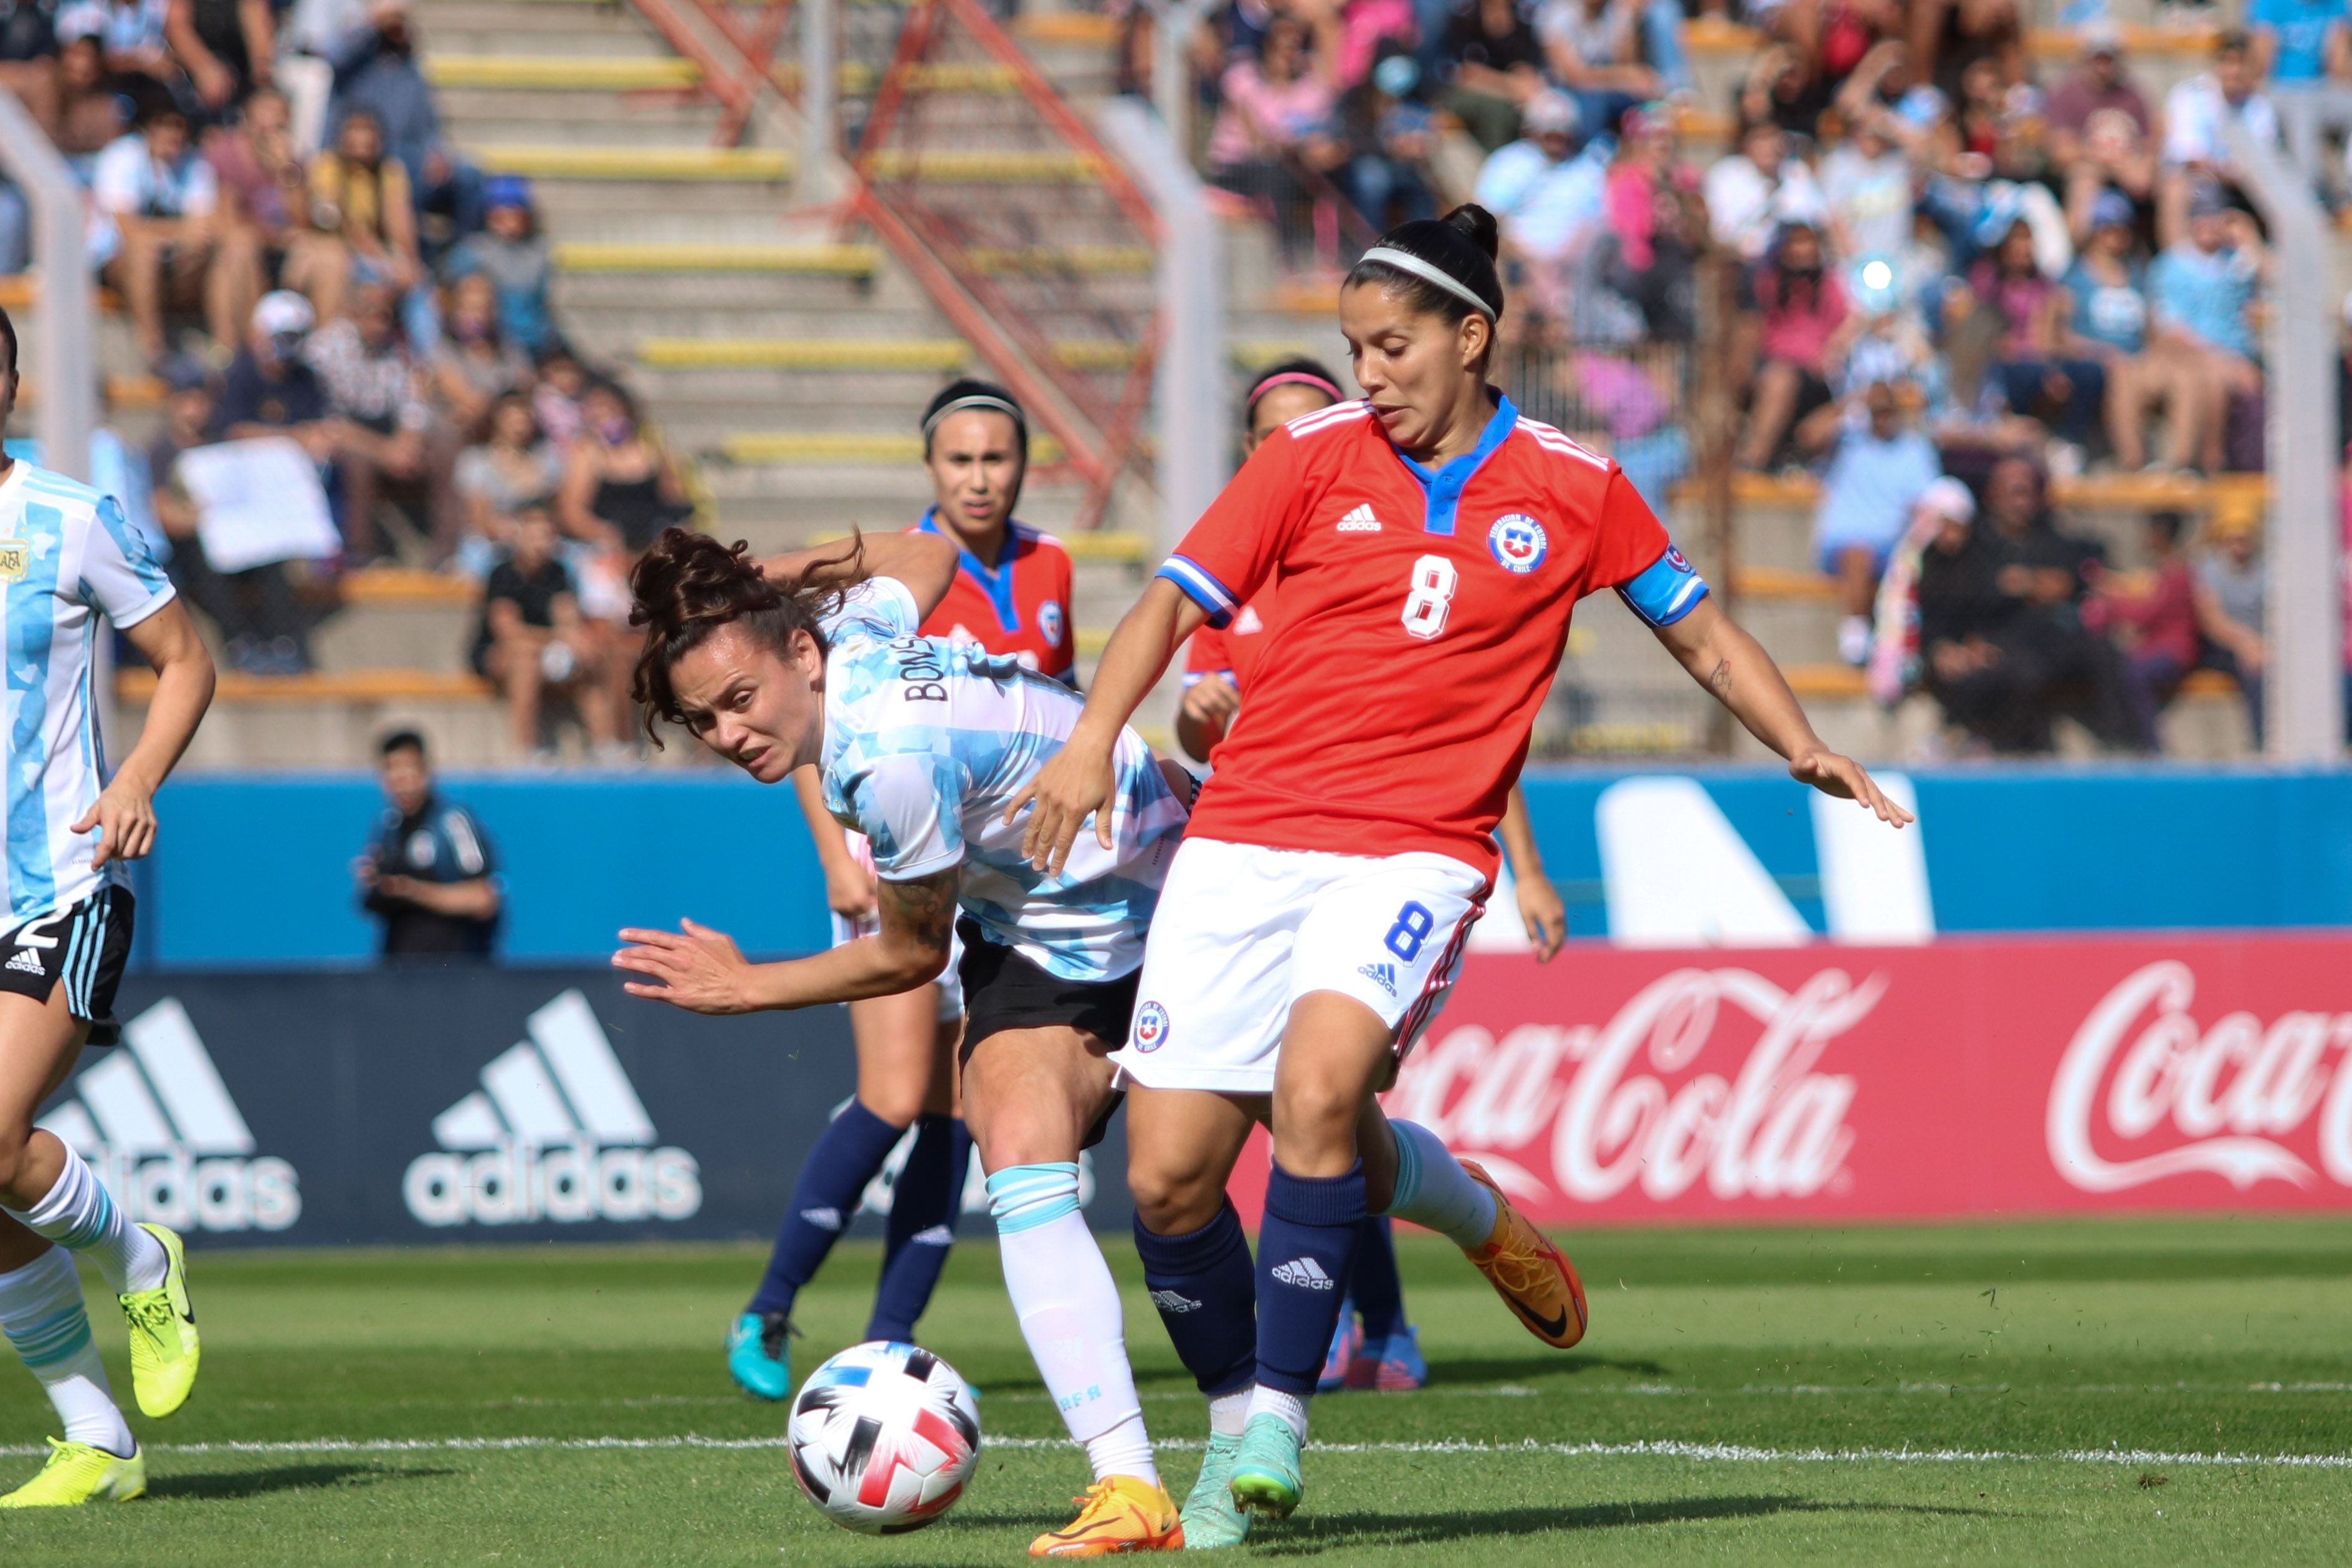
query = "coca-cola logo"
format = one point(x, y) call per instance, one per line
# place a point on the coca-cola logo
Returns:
point(1706, 1075)
point(2168, 1097)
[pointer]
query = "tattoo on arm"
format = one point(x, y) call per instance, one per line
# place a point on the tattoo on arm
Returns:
point(1719, 683)
point(923, 911)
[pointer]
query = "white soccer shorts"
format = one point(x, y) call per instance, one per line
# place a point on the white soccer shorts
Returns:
point(1242, 932)
point(951, 984)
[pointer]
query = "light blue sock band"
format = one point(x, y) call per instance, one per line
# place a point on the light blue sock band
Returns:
point(59, 1337)
point(1023, 1197)
point(1408, 1171)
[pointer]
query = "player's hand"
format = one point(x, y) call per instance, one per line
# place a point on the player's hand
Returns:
point(1845, 778)
point(1077, 783)
point(124, 816)
point(1212, 701)
point(1545, 914)
point(849, 891)
point(699, 969)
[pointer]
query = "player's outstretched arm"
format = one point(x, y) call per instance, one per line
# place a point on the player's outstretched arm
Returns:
point(124, 813)
point(703, 971)
point(1078, 782)
point(849, 887)
point(926, 563)
point(1541, 909)
point(1736, 671)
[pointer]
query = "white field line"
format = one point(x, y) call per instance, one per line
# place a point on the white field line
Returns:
point(1706, 1453)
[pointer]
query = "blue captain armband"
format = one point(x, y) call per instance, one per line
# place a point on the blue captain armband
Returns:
point(1665, 591)
point(1202, 587)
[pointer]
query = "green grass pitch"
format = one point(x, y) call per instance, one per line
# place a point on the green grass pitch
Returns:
point(2044, 1393)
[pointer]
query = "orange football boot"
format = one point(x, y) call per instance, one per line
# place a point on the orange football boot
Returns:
point(1534, 1278)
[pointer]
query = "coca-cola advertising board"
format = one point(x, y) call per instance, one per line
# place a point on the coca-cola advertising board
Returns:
point(1963, 1077)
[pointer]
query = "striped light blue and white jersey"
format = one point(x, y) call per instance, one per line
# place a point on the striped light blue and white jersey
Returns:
point(66, 559)
point(927, 741)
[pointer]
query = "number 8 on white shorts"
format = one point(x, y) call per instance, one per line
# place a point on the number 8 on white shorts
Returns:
point(1243, 930)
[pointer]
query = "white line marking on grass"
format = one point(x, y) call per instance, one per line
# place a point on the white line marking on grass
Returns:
point(1706, 1453)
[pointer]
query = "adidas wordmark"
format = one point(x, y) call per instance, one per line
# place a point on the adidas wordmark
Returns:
point(1304, 1272)
point(1359, 521)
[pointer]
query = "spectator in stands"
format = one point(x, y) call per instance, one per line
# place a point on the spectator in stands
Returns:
point(263, 186)
point(514, 464)
point(375, 385)
point(1492, 64)
point(428, 874)
point(2303, 49)
point(1276, 120)
point(1638, 275)
point(2106, 294)
point(376, 71)
point(620, 488)
point(1364, 26)
point(563, 382)
point(270, 388)
point(1879, 469)
point(174, 243)
point(514, 255)
point(533, 643)
point(1751, 193)
point(28, 56)
point(256, 612)
point(1796, 304)
point(226, 46)
point(2232, 588)
point(2195, 111)
point(473, 365)
point(1949, 35)
point(360, 224)
point(2151, 614)
point(131, 39)
point(1867, 187)
point(2098, 83)
point(2198, 293)
point(2037, 374)
point(1386, 132)
point(1594, 49)
point(91, 115)
point(1547, 203)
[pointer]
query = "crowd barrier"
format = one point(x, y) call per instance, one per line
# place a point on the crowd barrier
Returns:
point(255, 872)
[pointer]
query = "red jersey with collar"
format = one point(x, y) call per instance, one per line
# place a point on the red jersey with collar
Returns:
point(1019, 605)
point(1420, 619)
point(1233, 649)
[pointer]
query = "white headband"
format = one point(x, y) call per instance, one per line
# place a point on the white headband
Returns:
point(1404, 261)
point(977, 400)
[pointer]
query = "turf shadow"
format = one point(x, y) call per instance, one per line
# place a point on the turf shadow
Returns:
point(1313, 1537)
point(226, 1485)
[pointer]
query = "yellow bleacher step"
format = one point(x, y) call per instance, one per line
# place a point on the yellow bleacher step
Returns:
point(618, 73)
point(407, 586)
point(2095, 492)
point(137, 687)
point(660, 163)
point(1104, 548)
point(790, 447)
point(893, 353)
point(1067, 27)
point(984, 167)
point(813, 260)
point(1780, 582)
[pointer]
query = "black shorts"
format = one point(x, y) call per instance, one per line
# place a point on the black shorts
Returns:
point(85, 946)
point(1003, 990)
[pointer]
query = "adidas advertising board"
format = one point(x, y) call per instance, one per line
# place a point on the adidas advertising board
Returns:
point(466, 1105)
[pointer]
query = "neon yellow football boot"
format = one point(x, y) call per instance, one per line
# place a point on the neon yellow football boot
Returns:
point(78, 1473)
point(163, 1345)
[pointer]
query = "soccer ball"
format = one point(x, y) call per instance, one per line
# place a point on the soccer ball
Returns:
point(884, 1437)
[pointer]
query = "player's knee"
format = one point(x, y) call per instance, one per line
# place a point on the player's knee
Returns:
point(1314, 1116)
point(1173, 1202)
point(898, 1104)
point(16, 1147)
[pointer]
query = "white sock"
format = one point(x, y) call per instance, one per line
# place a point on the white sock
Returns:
point(42, 1311)
point(1229, 1412)
point(1291, 1408)
point(79, 1215)
point(1433, 1190)
point(1068, 1306)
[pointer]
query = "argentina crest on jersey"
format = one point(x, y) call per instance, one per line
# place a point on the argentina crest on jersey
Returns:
point(1518, 543)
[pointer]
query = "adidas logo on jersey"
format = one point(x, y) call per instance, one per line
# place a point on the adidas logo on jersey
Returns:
point(1170, 1301)
point(1304, 1272)
point(26, 962)
point(1381, 974)
point(1359, 521)
point(157, 1123)
point(556, 1133)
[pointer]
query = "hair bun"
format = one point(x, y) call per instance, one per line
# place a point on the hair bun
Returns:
point(1477, 224)
point(688, 578)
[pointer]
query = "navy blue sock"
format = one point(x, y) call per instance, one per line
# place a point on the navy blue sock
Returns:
point(1207, 1296)
point(923, 1209)
point(1303, 1251)
point(832, 1179)
point(1380, 1294)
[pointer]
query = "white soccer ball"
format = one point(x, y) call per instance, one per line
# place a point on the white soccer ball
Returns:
point(883, 1437)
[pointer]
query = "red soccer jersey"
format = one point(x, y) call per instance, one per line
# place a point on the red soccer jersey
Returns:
point(1232, 651)
point(1021, 605)
point(1421, 620)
